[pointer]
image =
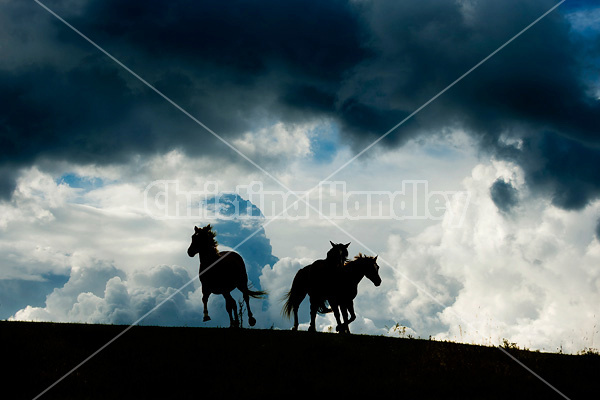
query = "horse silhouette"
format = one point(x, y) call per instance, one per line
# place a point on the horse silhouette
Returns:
point(347, 288)
point(220, 273)
point(318, 280)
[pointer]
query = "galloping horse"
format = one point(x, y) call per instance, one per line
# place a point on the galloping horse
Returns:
point(318, 281)
point(352, 274)
point(220, 273)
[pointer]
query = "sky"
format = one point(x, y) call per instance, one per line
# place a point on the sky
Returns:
point(251, 100)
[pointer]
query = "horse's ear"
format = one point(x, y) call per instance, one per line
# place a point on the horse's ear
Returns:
point(196, 229)
point(332, 245)
point(207, 227)
point(376, 257)
point(346, 245)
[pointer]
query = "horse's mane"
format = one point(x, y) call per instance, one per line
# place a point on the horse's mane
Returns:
point(212, 235)
point(360, 257)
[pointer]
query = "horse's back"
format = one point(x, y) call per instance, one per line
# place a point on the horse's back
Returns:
point(322, 271)
point(231, 256)
point(226, 273)
point(321, 278)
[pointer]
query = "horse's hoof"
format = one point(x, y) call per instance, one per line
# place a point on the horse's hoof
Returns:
point(337, 328)
point(206, 318)
point(312, 329)
point(251, 321)
point(294, 328)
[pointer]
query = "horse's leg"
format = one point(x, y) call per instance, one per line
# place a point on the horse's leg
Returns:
point(242, 285)
point(314, 306)
point(344, 311)
point(251, 319)
point(351, 309)
point(205, 296)
point(230, 306)
point(346, 308)
point(336, 312)
point(299, 291)
point(235, 311)
point(295, 328)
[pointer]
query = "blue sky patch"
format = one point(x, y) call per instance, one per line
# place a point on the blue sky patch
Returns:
point(16, 294)
point(87, 183)
point(324, 143)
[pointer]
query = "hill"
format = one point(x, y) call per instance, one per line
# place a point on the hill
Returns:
point(151, 362)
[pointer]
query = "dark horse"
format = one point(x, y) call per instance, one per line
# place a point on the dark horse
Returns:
point(347, 289)
point(220, 273)
point(317, 280)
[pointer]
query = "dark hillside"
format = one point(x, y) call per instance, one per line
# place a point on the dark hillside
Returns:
point(156, 362)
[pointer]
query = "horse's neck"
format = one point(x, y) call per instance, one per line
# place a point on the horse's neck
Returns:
point(354, 272)
point(208, 256)
point(333, 261)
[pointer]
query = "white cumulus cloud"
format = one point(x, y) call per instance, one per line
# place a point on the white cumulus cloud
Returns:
point(530, 277)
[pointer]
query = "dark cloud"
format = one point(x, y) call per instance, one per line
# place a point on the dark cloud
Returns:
point(565, 169)
point(504, 195)
point(242, 65)
point(16, 294)
point(227, 65)
point(7, 181)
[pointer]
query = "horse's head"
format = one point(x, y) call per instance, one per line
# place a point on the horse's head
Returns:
point(372, 270)
point(338, 253)
point(202, 237)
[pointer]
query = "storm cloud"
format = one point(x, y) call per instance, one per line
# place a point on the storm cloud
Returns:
point(242, 66)
point(503, 194)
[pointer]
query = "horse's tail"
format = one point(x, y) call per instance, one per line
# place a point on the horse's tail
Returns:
point(255, 294)
point(287, 306)
point(323, 308)
point(297, 293)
